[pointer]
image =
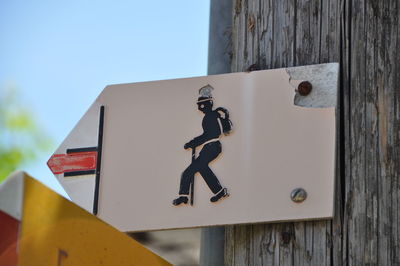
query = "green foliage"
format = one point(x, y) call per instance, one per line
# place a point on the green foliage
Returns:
point(21, 140)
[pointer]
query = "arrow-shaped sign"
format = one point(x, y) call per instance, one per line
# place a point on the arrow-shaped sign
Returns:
point(82, 161)
point(258, 146)
point(40, 227)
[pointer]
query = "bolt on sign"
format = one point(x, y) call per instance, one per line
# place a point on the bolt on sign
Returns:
point(224, 149)
point(39, 227)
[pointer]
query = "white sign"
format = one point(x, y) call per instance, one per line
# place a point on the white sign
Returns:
point(255, 141)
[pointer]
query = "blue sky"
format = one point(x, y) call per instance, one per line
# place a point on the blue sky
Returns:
point(61, 54)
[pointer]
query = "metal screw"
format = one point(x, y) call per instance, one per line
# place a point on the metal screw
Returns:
point(298, 195)
point(304, 88)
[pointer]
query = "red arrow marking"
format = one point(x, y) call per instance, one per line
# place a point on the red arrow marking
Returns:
point(77, 161)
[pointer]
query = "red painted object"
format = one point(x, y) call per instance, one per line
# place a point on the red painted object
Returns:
point(77, 161)
point(8, 239)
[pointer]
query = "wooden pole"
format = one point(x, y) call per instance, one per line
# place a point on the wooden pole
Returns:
point(364, 37)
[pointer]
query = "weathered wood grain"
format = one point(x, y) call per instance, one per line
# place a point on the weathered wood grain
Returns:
point(363, 35)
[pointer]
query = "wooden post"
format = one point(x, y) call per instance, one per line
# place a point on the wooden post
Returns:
point(364, 37)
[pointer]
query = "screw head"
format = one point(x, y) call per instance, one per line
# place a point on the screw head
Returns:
point(298, 195)
point(304, 88)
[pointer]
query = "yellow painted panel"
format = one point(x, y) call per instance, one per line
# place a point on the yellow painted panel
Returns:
point(57, 232)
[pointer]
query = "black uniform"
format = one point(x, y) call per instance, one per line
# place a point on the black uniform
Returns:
point(210, 151)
